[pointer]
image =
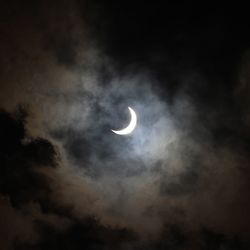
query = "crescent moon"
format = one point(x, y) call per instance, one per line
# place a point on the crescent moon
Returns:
point(131, 125)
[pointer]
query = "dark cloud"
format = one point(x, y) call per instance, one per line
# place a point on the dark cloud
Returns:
point(175, 238)
point(22, 182)
point(83, 234)
point(186, 183)
point(64, 49)
point(179, 181)
point(90, 234)
point(20, 179)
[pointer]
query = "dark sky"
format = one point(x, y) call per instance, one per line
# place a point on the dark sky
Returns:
point(68, 72)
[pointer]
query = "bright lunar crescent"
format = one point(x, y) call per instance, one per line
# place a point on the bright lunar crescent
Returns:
point(131, 125)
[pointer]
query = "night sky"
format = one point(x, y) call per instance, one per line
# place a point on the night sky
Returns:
point(68, 72)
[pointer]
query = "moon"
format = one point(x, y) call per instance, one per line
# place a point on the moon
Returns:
point(130, 127)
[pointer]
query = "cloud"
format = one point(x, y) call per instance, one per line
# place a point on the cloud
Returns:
point(87, 234)
point(27, 195)
point(184, 168)
point(20, 161)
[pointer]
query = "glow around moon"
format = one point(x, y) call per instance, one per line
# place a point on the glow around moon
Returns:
point(131, 125)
